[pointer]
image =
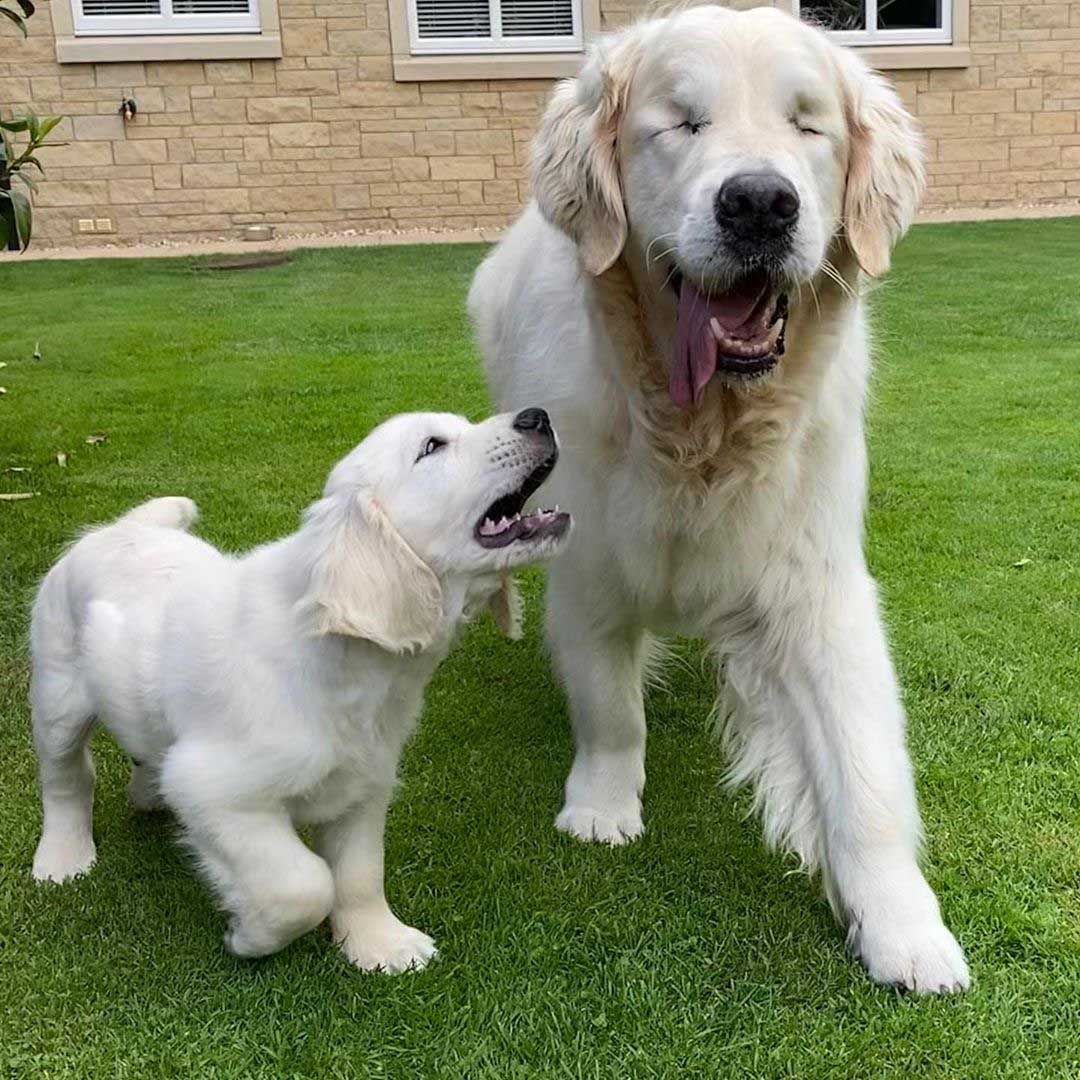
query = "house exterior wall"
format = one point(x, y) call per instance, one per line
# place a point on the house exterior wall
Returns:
point(324, 139)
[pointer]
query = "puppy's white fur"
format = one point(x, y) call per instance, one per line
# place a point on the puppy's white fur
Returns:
point(739, 520)
point(261, 693)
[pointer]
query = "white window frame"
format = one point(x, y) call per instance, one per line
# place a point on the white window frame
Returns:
point(165, 23)
point(496, 43)
point(942, 35)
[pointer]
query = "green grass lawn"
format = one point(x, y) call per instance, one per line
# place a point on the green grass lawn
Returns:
point(691, 953)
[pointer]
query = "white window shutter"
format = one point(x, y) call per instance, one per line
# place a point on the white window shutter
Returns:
point(537, 18)
point(453, 19)
point(141, 17)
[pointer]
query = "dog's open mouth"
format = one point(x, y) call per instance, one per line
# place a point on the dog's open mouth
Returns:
point(739, 331)
point(503, 523)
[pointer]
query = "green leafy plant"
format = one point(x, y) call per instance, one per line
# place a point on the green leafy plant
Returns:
point(26, 9)
point(16, 212)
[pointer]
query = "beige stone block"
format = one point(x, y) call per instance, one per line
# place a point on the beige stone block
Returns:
point(344, 133)
point(130, 191)
point(126, 76)
point(227, 201)
point(211, 175)
point(1041, 189)
point(352, 197)
point(1044, 16)
point(303, 37)
point(358, 42)
point(473, 143)
point(953, 78)
point(984, 101)
point(973, 150)
point(374, 94)
point(1029, 100)
point(168, 177)
point(141, 152)
point(313, 134)
point(256, 148)
point(181, 150)
point(387, 145)
point(411, 168)
point(1013, 124)
point(177, 99)
point(291, 197)
point(72, 193)
point(500, 191)
point(1054, 123)
point(228, 71)
point(434, 143)
point(77, 155)
point(45, 88)
point(463, 168)
point(1070, 156)
point(176, 73)
point(983, 192)
point(98, 127)
point(306, 81)
point(1035, 157)
point(1029, 64)
point(278, 110)
point(935, 103)
point(218, 111)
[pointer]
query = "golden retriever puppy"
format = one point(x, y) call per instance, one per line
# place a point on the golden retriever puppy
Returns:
point(272, 691)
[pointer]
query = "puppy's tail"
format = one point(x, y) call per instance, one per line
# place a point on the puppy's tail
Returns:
point(171, 512)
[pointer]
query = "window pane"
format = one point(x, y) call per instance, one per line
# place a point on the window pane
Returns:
point(209, 7)
point(835, 14)
point(453, 18)
point(909, 14)
point(121, 7)
point(537, 18)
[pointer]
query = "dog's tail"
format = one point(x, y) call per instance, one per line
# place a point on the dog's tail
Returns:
point(171, 512)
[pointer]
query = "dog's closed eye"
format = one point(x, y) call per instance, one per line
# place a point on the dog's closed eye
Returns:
point(430, 447)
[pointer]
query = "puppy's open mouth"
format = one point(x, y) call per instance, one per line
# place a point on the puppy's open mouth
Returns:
point(503, 523)
point(739, 331)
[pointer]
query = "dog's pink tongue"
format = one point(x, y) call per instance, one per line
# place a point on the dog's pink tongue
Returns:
point(695, 343)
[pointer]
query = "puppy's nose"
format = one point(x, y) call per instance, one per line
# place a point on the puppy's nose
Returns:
point(533, 420)
point(757, 204)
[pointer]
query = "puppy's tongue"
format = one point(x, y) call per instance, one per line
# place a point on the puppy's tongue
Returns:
point(695, 343)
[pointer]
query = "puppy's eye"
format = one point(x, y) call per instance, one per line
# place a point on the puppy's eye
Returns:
point(430, 447)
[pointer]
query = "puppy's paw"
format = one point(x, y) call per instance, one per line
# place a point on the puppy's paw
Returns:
point(616, 826)
point(386, 945)
point(922, 957)
point(60, 858)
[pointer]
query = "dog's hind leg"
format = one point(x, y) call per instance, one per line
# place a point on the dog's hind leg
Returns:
point(144, 788)
point(63, 717)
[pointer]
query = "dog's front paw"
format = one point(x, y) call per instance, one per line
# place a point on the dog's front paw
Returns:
point(386, 945)
point(922, 957)
point(61, 857)
point(615, 826)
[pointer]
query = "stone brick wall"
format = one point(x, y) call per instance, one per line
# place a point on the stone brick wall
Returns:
point(325, 140)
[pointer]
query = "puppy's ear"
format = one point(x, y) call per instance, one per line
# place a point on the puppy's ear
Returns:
point(366, 581)
point(506, 608)
point(575, 165)
point(885, 176)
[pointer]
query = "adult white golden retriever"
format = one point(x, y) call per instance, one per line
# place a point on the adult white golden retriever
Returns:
point(684, 298)
point(272, 691)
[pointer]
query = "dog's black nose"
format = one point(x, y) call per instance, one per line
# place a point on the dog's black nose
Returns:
point(533, 420)
point(763, 204)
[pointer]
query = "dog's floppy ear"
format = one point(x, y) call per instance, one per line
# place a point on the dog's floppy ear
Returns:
point(575, 165)
point(366, 580)
point(885, 176)
point(506, 608)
